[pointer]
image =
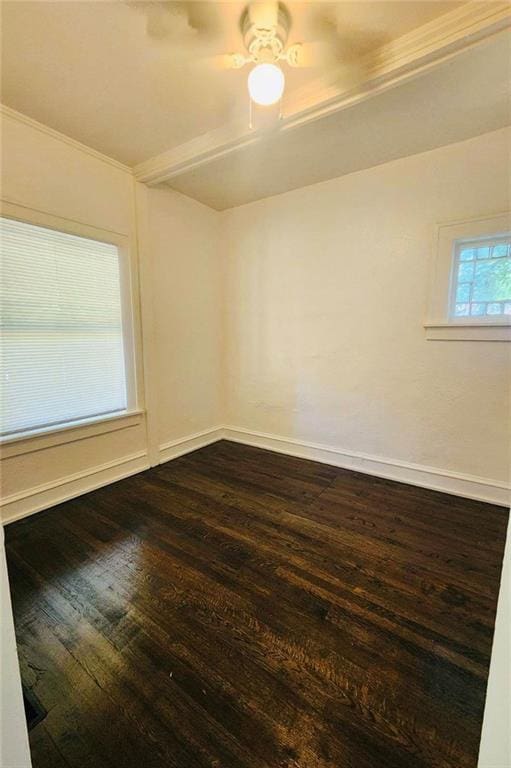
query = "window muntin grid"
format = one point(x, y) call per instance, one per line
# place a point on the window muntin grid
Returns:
point(481, 279)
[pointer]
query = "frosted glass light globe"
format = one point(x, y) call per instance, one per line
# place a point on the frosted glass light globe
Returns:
point(266, 84)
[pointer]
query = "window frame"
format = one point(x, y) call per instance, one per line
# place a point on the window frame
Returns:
point(21, 442)
point(439, 324)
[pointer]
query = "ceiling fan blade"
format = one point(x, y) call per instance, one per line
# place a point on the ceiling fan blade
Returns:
point(350, 41)
point(205, 17)
point(177, 21)
point(264, 15)
point(162, 19)
point(227, 61)
point(311, 54)
point(348, 72)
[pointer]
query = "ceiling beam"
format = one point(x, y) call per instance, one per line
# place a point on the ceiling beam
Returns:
point(398, 61)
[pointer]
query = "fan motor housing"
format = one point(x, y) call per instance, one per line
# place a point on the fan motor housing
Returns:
point(265, 43)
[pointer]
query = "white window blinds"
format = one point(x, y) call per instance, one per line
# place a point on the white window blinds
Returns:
point(62, 356)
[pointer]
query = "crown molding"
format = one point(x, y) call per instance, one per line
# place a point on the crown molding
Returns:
point(398, 61)
point(406, 57)
point(19, 117)
point(202, 149)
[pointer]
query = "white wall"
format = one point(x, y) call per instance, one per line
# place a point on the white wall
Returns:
point(325, 299)
point(185, 292)
point(14, 749)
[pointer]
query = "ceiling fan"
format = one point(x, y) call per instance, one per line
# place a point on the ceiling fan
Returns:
point(264, 28)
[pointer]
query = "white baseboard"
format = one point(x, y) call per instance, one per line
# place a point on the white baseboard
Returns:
point(175, 448)
point(456, 483)
point(40, 497)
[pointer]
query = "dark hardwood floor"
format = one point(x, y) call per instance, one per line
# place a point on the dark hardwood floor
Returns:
point(236, 608)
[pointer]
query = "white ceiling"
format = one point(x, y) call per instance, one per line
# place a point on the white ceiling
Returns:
point(464, 97)
point(91, 71)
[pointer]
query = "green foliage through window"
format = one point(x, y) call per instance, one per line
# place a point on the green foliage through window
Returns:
point(483, 278)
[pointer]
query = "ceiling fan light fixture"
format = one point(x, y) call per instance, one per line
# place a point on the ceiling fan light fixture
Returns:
point(266, 84)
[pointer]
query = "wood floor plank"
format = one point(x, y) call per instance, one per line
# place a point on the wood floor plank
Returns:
point(237, 608)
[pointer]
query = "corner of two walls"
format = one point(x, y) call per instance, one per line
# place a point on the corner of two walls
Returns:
point(181, 276)
point(295, 323)
point(325, 353)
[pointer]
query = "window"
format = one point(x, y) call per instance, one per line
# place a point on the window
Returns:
point(481, 278)
point(64, 356)
point(470, 297)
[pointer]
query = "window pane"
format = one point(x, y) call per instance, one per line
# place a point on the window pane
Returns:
point(482, 278)
point(498, 251)
point(62, 350)
point(492, 280)
point(463, 292)
point(465, 272)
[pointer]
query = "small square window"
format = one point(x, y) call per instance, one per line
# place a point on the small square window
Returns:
point(470, 289)
point(481, 278)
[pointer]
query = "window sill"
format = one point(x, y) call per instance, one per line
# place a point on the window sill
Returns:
point(38, 440)
point(469, 331)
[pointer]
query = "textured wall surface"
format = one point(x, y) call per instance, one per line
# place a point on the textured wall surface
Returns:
point(186, 290)
point(326, 296)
